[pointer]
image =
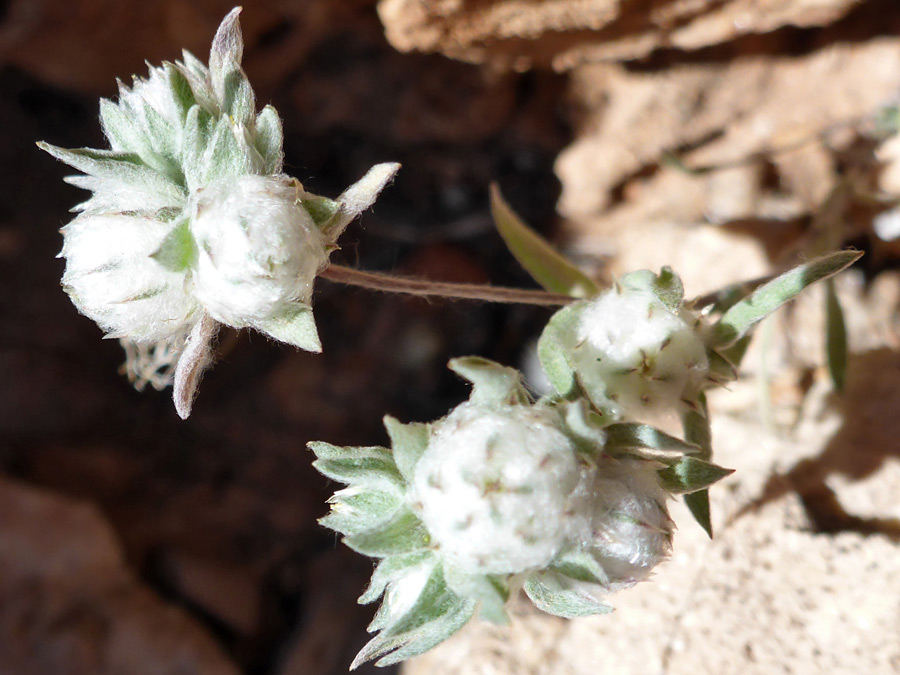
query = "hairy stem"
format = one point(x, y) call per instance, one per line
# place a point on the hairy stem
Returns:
point(377, 281)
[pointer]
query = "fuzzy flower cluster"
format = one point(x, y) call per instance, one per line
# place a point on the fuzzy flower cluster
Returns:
point(192, 223)
point(564, 498)
point(634, 350)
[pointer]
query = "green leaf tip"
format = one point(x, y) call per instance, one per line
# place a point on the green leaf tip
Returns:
point(666, 285)
point(690, 474)
point(408, 443)
point(296, 326)
point(698, 505)
point(555, 594)
point(628, 437)
point(554, 348)
point(321, 209)
point(435, 613)
point(743, 315)
point(402, 533)
point(546, 265)
point(178, 250)
point(492, 382)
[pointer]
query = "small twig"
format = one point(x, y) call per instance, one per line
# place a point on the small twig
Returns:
point(387, 283)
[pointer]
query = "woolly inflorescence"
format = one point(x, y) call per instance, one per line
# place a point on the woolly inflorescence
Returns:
point(112, 277)
point(497, 486)
point(258, 249)
point(647, 356)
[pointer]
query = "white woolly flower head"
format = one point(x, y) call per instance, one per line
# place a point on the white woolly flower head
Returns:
point(502, 494)
point(195, 225)
point(113, 278)
point(631, 532)
point(634, 349)
point(648, 355)
point(258, 249)
point(497, 487)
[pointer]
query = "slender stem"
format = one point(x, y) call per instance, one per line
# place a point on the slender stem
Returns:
point(377, 281)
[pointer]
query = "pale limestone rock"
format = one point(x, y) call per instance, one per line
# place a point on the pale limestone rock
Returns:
point(530, 33)
point(721, 115)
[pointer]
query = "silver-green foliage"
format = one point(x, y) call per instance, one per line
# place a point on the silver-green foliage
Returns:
point(601, 487)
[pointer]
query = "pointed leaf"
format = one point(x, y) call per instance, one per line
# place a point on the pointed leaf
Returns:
point(738, 320)
point(455, 613)
point(586, 427)
point(696, 428)
point(324, 450)
point(626, 436)
point(182, 93)
point(388, 569)
point(270, 139)
point(356, 465)
point(580, 565)
point(355, 510)
point(669, 289)
point(226, 52)
point(490, 591)
point(160, 134)
point(546, 266)
point(720, 368)
point(95, 162)
point(835, 337)
point(436, 615)
point(666, 286)
point(192, 67)
point(295, 326)
point(195, 358)
point(557, 595)
point(238, 100)
point(735, 353)
point(178, 250)
point(320, 209)
point(359, 197)
point(122, 168)
point(697, 431)
point(492, 383)
point(690, 474)
point(408, 442)
point(121, 128)
point(198, 128)
point(722, 300)
point(555, 348)
point(225, 155)
point(698, 505)
point(403, 533)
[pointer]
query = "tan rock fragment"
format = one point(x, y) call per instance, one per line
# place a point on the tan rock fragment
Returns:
point(69, 603)
point(530, 33)
point(714, 115)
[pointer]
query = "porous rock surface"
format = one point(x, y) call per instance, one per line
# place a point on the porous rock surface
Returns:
point(563, 33)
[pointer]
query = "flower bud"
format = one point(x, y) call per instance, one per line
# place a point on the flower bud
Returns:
point(497, 486)
point(631, 532)
point(258, 249)
point(112, 278)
